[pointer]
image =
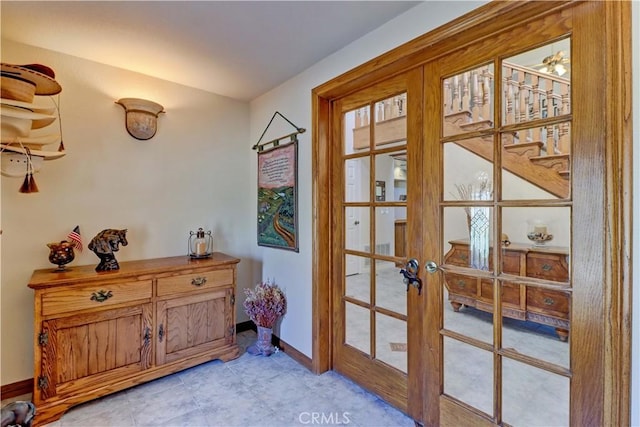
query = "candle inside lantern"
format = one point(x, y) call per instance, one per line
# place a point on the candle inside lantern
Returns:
point(540, 229)
point(200, 243)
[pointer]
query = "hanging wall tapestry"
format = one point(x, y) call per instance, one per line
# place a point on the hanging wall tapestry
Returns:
point(277, 197)
point(278, 189)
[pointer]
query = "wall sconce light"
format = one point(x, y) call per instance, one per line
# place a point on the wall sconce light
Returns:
point(141, 117)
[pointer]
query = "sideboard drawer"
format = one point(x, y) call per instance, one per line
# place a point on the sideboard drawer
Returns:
point(461, 285)
point(458, 256)
point(510, 293)
point(547, 266)
point(78, 298)
point(548, 301)
point(511, 262)
point(195, 281)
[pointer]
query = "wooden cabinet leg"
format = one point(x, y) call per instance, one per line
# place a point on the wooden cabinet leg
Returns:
point(456, 306)
point(563, 334)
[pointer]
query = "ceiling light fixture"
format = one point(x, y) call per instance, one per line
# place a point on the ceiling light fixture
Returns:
point(554, 64)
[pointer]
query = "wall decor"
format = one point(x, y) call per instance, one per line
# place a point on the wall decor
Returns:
point(381, 191)
point(104, 244)
point(277, 197)
point(278, 189)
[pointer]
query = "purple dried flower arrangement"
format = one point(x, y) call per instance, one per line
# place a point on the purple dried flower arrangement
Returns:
point(265, 304)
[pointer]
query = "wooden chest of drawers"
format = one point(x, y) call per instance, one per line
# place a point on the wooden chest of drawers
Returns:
point(97, 333)
point(547, 303)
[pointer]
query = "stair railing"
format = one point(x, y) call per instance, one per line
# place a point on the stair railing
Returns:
point(528, 95)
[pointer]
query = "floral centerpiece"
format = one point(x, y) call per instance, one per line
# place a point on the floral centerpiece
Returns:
point(264, 305)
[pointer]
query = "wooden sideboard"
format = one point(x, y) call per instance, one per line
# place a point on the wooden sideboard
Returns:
point(97, 333)
point(547, 304)
point(400, 238)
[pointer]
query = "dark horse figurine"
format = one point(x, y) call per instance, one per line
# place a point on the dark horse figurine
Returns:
point(18, 413)
point(104, 244)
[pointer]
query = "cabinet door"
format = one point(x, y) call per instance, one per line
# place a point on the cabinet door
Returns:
point(194, 324)
point(92, 349)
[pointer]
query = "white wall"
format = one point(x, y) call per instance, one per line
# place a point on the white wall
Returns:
point(293, 98)
point(192, 173)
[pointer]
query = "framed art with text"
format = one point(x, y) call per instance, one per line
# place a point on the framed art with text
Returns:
point(278, 197)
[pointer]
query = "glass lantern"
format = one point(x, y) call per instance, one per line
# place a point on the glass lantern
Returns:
point(538, 233)
point(200, 244)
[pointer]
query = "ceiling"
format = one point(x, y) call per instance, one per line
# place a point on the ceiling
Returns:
point(239, 49)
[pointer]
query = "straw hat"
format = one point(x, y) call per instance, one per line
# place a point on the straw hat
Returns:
point(28, 105)
point(17, 148)
point(38, 120)
point(18, 122)
point(21, 82)
point(16, 164)
point(33, 142)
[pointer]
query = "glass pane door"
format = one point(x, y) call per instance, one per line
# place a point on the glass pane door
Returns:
point(372, 303)
point(374, 204)
point(505, 219)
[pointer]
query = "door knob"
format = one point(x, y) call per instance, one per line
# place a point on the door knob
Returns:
point(431, 267)
point(410, 273)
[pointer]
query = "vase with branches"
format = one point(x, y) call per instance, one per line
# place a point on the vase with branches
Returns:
point(478, 219)
point(264, 305)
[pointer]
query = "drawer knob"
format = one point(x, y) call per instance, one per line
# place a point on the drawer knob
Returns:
point(547, 267)
point(198, 281)
point(461, 284)
point(549, 301)
point(101, 296)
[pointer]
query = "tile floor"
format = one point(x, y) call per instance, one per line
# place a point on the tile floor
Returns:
point(248, 391)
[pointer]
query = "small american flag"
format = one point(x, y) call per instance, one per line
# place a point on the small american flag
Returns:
point(75, 238)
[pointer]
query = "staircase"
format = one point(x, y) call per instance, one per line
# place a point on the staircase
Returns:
point(539, 154)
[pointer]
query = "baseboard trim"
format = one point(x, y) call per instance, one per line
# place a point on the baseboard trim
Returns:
point(16, 389)
point(296, 355)
point(26, 386)
point(245, 326)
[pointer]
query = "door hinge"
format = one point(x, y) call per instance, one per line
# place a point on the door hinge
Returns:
point(233, 299)
point(43, 338)
point(43, 382)
point(231, 331)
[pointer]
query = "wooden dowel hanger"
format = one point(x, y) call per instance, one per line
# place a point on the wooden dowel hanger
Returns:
point(292, 137)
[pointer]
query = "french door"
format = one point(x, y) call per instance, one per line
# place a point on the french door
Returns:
point(476, 224)
point(375, 309)
point(503, 231)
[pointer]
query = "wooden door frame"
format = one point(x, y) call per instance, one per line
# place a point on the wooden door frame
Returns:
point(614, 37)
